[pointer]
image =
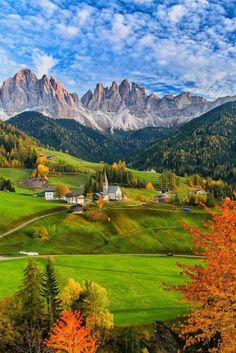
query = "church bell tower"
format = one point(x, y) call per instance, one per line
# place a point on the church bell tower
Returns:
point(105, 184)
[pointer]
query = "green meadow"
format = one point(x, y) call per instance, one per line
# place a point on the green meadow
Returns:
point(117, 229)
point(15, 209)
point(134, 283)
point(67, 158)
point(74, 182)
point(15, 174)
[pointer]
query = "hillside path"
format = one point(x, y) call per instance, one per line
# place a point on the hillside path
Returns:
point(5, 258)
point(29, 222)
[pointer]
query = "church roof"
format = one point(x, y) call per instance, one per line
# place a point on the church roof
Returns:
point(112, 188)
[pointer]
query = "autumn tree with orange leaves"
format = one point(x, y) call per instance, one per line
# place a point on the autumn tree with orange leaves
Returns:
point(211, 323)
point(100, 202)
point(71, 336)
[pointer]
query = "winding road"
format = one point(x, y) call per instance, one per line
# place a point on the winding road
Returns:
point(5, 258)
point(30, 221)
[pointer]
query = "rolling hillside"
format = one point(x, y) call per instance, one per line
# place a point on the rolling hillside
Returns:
point(206, 145)
point(117, 229)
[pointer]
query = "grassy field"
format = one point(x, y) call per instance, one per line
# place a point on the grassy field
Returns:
point(144, 193)
point(16, 208)
point(74, 182)
point(92, 167)
point(117, 229)
point(15, 174)
point(134, 283)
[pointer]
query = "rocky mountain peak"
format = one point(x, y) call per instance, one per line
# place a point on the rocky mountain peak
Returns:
point(120, 106)
point(24, 72)
point(99, 89)
point(124, 89)
point(136, 87)
point(114, 86)
point(47, 95)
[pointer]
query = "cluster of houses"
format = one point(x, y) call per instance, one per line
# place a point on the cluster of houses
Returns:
point(162, 196)
point(76, 200)
point(71, 197)
point(108, 193)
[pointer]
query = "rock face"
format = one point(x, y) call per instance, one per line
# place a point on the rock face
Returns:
point(126, 106)
point(166, 341)
point(25, 91)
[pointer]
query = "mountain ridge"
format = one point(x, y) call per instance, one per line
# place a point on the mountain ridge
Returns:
point(25, 92)
point(130, 102)
point(125, 106)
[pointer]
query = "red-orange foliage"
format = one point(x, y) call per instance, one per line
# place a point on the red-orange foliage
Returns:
point(71, 336)
point(100, 202)
point(212, 285)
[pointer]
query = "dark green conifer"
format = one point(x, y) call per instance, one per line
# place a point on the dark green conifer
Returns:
point(50, 291)
point(30, 294)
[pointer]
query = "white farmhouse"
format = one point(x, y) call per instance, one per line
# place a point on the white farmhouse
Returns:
point(50, 193)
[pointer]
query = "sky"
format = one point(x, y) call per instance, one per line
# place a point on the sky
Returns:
point(166, 46)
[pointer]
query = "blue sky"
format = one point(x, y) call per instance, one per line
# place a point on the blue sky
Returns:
point(166, 46)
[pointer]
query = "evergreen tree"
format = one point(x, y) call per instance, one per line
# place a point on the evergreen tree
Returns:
point(30, 294)
point(50, 291)
point(211, 202)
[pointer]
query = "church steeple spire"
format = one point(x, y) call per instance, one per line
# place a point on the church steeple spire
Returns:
point(105, 184)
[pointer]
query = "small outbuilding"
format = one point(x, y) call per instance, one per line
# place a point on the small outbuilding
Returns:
point(77, 209)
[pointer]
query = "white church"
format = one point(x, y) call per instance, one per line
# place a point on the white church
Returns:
point(110, 192)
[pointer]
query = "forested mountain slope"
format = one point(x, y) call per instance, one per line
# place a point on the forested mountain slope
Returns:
point(16, 148)
point(205, 145)
point(83, 142)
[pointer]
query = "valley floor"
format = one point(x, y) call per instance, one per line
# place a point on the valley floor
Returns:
point(120, 247)
point(134, 283)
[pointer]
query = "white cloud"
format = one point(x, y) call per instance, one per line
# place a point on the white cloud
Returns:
point(84, 14)
point(176, 13)
point(47, 6)
point(120, 30)
point(8, 66)
point(143, 2)
point(148, 40)
point(43, 63)
point(67, 31)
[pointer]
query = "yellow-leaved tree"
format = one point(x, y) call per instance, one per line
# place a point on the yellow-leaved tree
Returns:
point(71, 293)
point(149, 186)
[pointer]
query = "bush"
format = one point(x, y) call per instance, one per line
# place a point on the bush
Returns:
point(40, 233)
